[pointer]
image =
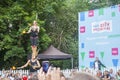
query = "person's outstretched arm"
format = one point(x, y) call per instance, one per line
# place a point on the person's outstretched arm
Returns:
point(29, 30)
point(25, 64)
point(102, 64)
point(38, 30)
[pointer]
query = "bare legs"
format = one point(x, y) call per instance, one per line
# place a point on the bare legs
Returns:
point(34, 51)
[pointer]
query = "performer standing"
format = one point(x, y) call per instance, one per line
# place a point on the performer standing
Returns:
point(34, 65)
point(34, 30)
point(97, 64)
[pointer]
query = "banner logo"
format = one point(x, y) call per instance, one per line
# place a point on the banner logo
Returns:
point(102, 26)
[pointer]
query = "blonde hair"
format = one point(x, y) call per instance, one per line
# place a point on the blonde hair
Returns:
point(34, 22)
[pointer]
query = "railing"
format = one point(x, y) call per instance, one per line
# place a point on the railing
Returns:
point(66, 72)
point(15, 72)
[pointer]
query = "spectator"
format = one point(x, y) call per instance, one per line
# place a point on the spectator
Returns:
point(41, 74)
point(11, 76)
point(45, 65)
point(118, 75)
point(82, 76)
point(5, 78)
point(99, 74)
point(24, 77)
point(34, 77)
point(17, 76)
point(52, 74)
point(112, 74)
point(98, 64)
point(106, 75)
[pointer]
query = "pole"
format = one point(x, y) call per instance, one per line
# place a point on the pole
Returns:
point(72, 62)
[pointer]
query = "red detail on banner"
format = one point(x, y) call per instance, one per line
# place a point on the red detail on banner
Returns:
point(102, 26)
point(91, 54)
point(82, 29)
point(91, 13)
point(114, 51)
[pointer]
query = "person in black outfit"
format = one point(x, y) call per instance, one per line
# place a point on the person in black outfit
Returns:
point(98, 64)
point(34, 30)
point(34, 64)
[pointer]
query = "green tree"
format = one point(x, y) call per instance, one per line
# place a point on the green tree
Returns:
point(15, 46)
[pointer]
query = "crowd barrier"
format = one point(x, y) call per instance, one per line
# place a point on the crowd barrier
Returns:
point(66, 72)
point(15, 71)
